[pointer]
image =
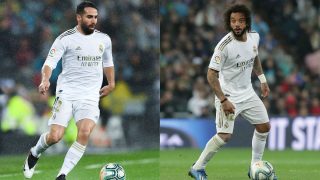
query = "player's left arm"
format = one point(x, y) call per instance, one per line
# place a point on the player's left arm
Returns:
point(257, 68)
point(108, 69)
point(109, 73)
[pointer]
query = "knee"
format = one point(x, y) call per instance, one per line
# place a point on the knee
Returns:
point(268, 127)
point(54, 137)
point(225, 136)
point(263, 128)
point(84, 133)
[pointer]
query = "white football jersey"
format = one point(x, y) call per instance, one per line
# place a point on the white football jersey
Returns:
point(234, 60)
point(83, 58)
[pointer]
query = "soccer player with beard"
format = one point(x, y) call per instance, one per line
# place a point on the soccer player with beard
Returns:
point(229, 76)
point(86, 54)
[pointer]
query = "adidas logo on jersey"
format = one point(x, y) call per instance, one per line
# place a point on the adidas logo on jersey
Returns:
point(78, 48)
point(238, 56)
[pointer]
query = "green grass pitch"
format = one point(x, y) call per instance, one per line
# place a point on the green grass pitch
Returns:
point(233, 163)
point(142, 165)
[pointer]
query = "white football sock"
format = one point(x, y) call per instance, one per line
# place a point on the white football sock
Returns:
point(213, 145)
point(258, 143)
point(73, 156)
point(41, 145)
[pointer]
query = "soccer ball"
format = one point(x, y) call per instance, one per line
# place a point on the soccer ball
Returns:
point(262, 170)
point(112, 171)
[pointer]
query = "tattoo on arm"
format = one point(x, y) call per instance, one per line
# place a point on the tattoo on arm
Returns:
point(213, 80)
point(257, 68)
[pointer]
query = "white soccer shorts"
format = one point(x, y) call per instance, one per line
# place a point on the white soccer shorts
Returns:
point(252, 110)
point(63, 110)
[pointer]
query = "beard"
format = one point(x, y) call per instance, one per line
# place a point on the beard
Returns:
point(86, 30)
point(239, 34)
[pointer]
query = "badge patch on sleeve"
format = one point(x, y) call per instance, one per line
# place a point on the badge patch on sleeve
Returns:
point(52, 52)
point(217, 59)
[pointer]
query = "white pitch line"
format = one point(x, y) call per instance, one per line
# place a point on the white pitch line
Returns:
point(16, 174)
point(141, 161)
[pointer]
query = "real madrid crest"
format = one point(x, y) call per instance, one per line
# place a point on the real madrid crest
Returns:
point(101, 48)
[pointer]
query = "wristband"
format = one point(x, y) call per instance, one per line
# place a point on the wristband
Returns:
point(224, 100)
point(262, 78)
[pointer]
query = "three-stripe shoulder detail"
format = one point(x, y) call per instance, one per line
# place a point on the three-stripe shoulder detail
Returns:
point(225, 42)
point(67, 33)
point(97, 31)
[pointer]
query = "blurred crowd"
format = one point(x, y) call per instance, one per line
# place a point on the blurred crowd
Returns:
point(289, 50)
point(27, 31)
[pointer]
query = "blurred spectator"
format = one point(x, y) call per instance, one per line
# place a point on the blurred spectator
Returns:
point(313, 63)
point(291, 103)
point(24, 54)
point(315, 107)
point(199, 104)
point(260, 26)
point(19, 114)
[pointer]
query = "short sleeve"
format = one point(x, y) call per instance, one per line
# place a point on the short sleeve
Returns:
point(107, 58)
point(257, 40)
point(56, 52)
point(216, 60)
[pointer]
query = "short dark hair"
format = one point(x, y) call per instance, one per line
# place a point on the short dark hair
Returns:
point(238, 8)
point(84, 4)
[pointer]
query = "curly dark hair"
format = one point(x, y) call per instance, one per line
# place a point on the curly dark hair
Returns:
point(84, 4)
point(238, 8)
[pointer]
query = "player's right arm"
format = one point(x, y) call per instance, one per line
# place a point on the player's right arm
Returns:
point(45, 77)
point(213, 79)
point(217, 59)
point(56, 51)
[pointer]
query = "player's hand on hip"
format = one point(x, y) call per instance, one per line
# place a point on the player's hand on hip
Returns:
point(265, 90)
point(44, 87)
point(105, 91)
